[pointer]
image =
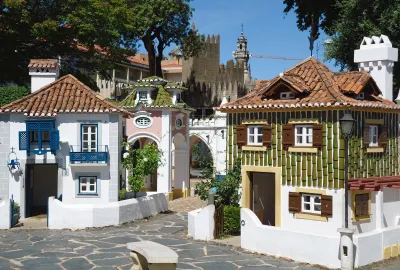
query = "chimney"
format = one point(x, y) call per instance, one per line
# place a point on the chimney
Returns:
point(377, 56)
point(43, 72)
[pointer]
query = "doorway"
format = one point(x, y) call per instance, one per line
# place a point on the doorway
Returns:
point(40, 184)
point(262, 196)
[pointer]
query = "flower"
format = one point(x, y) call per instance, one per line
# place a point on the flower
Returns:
point(126, 155)
point(145, 159)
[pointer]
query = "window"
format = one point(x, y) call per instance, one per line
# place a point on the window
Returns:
point(255, 135)
point(287, 95)
point(142, 96)
point(142, 121)
point(87, 185)
point(303, 135)
point(89, 138)
point(34, 136)
point(179, 123)
point(311, 203)
point(178, 98)
point(360, 96)
point(361, 205)
point(373, 135)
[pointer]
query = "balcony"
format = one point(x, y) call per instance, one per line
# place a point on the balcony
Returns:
point(80, 157)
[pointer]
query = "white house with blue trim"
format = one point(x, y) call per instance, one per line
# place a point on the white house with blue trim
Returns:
point(62, 141)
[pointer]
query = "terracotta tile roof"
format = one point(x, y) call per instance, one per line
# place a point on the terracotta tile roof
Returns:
point(43, 63)
point(65, 95)
point(316, 86)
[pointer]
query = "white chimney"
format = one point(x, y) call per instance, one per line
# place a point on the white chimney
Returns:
point(377, 56)
point(43, 72)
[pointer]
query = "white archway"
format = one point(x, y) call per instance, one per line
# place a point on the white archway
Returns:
point(180, 166)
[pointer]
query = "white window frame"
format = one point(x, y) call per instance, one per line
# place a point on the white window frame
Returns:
point(87, 184)
point(88, 147)
point(135, 119)
point(255, 135)
point(176, 123)
point(303, 135)
point(373, 133)
point(287, 95)
point(143, 93)
point(312, 203)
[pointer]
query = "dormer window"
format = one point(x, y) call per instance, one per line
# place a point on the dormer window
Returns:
point(287, 95)
point(143, 96)
point(360, 96)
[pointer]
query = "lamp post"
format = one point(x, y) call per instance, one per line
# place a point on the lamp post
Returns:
point(346, 126)
point(346, 234)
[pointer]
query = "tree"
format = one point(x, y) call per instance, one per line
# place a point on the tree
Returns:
point(347, 22)
point(11, 93)
point(140, 163)
point(160, 23)
point(89, 35)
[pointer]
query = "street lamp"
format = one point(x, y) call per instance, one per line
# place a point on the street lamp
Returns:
point(346, 127)
point(346, 234)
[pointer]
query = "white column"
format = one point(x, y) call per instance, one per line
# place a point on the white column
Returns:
point(181, 179)
point(127, 75)
point(379, 209)
point(164, 171)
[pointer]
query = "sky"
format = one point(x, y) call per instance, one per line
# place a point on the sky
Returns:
point(268, 29)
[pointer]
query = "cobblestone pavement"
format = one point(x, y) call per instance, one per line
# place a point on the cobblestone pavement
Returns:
point(105, 248)
point(186, 204)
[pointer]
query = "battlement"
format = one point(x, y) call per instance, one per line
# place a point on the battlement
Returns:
point(214, 39)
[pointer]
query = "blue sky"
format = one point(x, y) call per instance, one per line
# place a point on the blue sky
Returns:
point(268, 30)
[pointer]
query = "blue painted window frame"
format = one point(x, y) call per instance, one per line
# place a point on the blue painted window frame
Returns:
point(97, 135)
point(87, 193)
point(37, 123)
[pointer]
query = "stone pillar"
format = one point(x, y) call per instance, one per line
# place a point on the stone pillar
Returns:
point(379, 209)
point(164, 171)
point(346, 248)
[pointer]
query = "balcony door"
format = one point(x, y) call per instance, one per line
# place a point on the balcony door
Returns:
point(89, 138)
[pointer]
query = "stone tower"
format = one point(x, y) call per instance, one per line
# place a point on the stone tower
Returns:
point(242, 56)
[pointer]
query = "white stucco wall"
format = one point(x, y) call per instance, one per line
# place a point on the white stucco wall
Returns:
point(282, 242)
point(5, 214)
point(201, 223)
point(79, 216)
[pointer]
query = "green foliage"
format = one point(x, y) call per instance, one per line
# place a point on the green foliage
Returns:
point(231, 220)
point(347, 22)
point(11, 93)
point(205, 162)
point(122, 195)
point(227, 190)
point(53, 28)
point(140, 163)
point(159, 24)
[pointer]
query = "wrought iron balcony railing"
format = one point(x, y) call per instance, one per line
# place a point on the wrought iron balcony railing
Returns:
point(77, 154)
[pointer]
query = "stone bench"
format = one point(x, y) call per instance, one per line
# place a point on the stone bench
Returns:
point(147, 255)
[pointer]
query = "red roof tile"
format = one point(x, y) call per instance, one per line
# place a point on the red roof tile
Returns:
point(317, 86)
point(65, 95)
point(43, 63)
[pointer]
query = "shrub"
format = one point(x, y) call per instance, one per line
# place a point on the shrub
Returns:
point(231, 220)
point(122, 195)
point(10, 93)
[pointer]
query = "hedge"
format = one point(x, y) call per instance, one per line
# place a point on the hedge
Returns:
point(10, 93)
point(231, 220)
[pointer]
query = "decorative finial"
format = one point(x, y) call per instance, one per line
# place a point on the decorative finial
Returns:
point(242, 29)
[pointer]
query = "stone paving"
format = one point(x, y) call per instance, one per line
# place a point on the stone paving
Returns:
point(105, 248)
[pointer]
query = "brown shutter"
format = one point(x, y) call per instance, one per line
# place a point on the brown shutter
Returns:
point(294, 202)
point(383, 134)
point(317, 135)
point(287, 136)
point(366, 135)
point(326, 206)
point(267, 135)
point(241, 134)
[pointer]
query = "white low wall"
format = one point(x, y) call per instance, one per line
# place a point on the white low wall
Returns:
point(5, 220)
point(303, 247)
point(79, 216)
point(201, 223)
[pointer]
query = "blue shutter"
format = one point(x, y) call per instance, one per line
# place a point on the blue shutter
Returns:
point(23, 140)
point(54, 140)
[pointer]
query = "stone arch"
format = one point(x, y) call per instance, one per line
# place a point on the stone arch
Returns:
point(139, 135)
point(205, 142)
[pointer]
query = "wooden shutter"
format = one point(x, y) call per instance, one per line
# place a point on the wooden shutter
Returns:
point(241, 135)
point(287, 136)
point(294, 202)
point(23, 140)
point(326, 206)
point(361, 205)
point(267, 135)
point(366, 138)
point(383, 134)
point(317, 135)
